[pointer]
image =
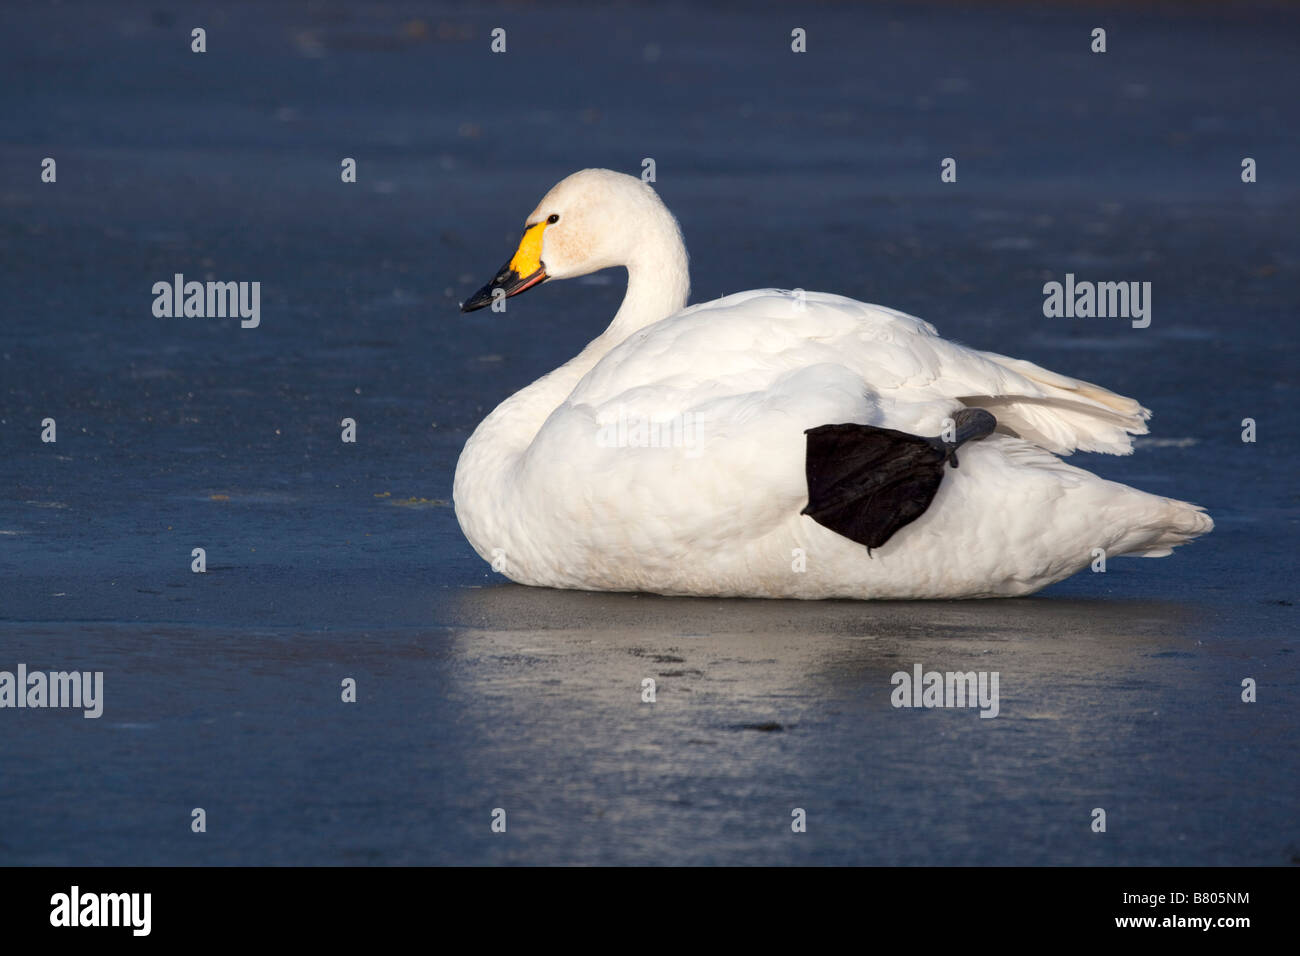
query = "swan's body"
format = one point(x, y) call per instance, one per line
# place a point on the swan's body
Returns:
point(564, 485)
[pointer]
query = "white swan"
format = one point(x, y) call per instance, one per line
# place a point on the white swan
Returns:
point(566, 485)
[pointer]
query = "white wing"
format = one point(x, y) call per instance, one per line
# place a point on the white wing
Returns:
point(744, 342)
point(732, 385)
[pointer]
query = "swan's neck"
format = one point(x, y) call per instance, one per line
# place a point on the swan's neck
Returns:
point(658, 283)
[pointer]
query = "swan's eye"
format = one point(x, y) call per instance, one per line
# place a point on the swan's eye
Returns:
point(553, 218)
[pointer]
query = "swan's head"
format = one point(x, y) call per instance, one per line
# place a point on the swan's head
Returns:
point(591, 220)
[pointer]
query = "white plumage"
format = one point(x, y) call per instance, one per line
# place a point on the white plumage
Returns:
point(566, 484)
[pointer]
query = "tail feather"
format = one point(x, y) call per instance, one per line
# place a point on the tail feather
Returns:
point(1180, 523)
point(1068, 415)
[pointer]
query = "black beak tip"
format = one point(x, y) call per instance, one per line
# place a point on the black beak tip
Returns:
point(481, 298)
point(508, 282)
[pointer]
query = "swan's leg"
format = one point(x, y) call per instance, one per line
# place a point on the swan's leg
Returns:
point(866, 482)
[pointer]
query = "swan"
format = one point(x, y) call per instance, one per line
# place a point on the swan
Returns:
point(783, 444)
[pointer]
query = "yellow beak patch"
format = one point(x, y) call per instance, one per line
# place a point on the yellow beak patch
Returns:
point(528, 257)
point(520, 274)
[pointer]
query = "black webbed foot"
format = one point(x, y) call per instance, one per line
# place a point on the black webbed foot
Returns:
point(866, 482)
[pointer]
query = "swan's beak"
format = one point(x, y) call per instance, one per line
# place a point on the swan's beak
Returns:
point(524, 270)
